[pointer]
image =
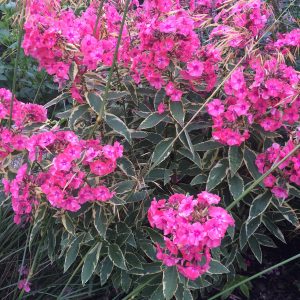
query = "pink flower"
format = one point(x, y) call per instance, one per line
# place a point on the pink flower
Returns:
point(62, 162)
point(195, 68)
point(161, 108)
point(24, 285)
point(208, 198)
point(279, 192)
point(191, 228)
point(215, 108)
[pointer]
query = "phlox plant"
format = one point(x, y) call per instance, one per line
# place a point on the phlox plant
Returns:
point(171, 157)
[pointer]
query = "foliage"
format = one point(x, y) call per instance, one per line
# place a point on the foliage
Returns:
point(201, 114)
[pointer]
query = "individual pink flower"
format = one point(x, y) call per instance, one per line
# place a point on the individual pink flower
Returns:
point(195, 68)
point(161, 108)
point(215, 108)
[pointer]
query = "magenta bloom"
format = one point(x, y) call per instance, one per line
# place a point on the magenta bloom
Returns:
point(191, 227)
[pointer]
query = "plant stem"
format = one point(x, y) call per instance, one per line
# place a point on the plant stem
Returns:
point(98, 17)
point(115, 58)
point(20, 36)
point(71, 277)
point(39, 88)
point(261, 178)
point(255, 276)
point(137, 290)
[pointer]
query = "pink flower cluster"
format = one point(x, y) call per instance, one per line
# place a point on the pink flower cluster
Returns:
point(22, 115)
point(62, 168)
point(240, 24)
point(168, 50)
point(265, 93)
point(57, 37)
point(191, 227)
point(73, 178)
point(287, 172)
point(286, 42)
point(159, 43)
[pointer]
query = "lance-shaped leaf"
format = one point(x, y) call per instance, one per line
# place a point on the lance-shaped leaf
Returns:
point(90, 263)
point(260, 204)
point(152, 120)
point(118, 126)
point(217, 174)
point(170, 281)
point(235, 156)
point(95, 101)
point(116, 256)
point(177, 111)
point(162, 151)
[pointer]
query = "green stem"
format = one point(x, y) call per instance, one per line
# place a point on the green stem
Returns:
point(98, 17)
point(115, 58)
point(20, 36)
point(137, 290)
point(39, 88)
point(261, 178)
point(35, 260)
point(71, 277)
point(255, 276)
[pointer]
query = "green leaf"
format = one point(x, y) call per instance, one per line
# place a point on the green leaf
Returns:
point(148, 248)
point(215, 267)
point(187, 295)
point(243, 236)
point(147, 269)
point(155, 174)
point(125, 281)
point(217, 174)
point(260, 204)
point(207, 145)
point(90, 263)
point(170, 281)
point(235, 156)
point(249, 158)
point(287, 212)
point(245, 290)
point(158, 293)
point(56, 100)
point(252, 225)
point(118, 126)
point(195, 159)
point(116, 256)
point(116, 95)
point(95, 101)
point(159, 98)
point(236, 185)
point(77, 112)
point(265, 240)
point(126, 166)
point(100, 220)
point(177, 111)
point(133, 260)
point(155, 236)
point(273, 228)
point(255, 248)
point(68, 223)
point(199, 179)
point(152, 120)
point(39, 217)
point(105, 269)
point(162, 151)
point(72, 253)
point(209, 158)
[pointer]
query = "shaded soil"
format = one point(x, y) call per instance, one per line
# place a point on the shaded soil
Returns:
point(282, 283)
